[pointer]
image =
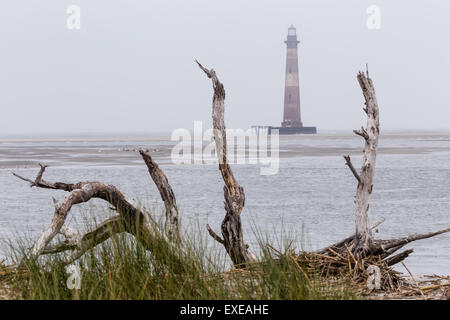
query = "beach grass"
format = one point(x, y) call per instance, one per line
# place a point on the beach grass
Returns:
point(121, 268)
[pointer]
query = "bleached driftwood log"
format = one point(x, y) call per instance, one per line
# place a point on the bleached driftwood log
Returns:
point(131, 218)
point(233, 239)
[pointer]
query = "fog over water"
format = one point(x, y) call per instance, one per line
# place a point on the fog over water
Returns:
point(130, 68)
point(313, 190)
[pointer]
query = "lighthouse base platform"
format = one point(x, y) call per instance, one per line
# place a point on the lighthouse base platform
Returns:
point(286, 130)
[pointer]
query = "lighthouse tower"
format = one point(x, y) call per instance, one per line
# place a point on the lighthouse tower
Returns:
point(292, 120)
point(291, 115)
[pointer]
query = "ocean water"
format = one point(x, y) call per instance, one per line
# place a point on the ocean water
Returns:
point(311, 195)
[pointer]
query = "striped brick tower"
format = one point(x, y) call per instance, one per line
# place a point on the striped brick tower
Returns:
point(291, 116)
point(292, 120)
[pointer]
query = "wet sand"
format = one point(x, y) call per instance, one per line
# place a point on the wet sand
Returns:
point(121, 150)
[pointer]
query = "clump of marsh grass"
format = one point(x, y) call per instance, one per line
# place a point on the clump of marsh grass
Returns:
point(121, 268)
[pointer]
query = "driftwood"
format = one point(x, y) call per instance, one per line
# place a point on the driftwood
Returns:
point(167, 195)
point(351, 256)
point(360, 250)
point(131, 218)
point(363, 235)
point(136, 220)
point(233, 239)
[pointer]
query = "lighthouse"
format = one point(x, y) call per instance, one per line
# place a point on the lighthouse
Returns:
point(292, 119)
point(291, 114)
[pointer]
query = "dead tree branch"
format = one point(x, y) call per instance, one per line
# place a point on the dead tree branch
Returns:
point(131, 219)
point(398, 258)
point(393, 243)
point(349, 163)
point(214, 235)
point(363, 133)
point(363, 235)
point(79, 244)
point(233, 239)
point(167, 195)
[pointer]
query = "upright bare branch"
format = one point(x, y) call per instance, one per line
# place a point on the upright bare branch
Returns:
point(233, 239)
point(167, 195)
point(363, 235)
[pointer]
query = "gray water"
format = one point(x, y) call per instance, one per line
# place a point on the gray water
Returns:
point(312, 194)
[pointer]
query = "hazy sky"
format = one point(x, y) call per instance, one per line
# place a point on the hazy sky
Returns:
point(130, 68)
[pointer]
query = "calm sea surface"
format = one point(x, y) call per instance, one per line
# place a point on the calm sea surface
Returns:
point(312, 194)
